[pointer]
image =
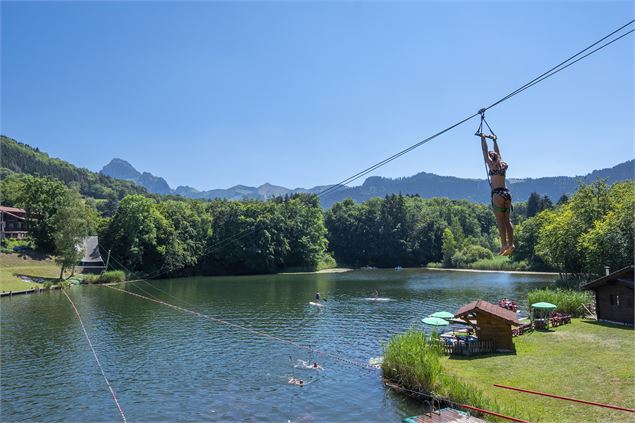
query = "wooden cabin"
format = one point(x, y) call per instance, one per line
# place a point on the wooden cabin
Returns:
point(614, 296)
point(13, 223)
point(493, 323)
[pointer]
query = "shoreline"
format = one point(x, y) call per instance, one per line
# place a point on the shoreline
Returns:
point(317, 272)
point(516, 272)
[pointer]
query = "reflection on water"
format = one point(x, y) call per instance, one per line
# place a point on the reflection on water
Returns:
point(168, 365)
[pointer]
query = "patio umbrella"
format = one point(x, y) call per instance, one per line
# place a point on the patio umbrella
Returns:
point(435, 321)
point(442, 314)
point(547, 306)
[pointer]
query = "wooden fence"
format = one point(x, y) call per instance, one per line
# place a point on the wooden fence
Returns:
point(468, 348)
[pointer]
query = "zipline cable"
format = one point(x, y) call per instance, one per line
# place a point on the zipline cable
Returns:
point(529, 84)
point(112, 392)
point(330, 190)
point(547, 73)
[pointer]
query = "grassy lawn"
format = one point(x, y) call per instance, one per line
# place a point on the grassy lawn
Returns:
point(32, 265)
point(583, 360)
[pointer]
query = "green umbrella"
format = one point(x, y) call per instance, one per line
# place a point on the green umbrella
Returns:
point(547, 306)
point(442, 314)
point(435, 321)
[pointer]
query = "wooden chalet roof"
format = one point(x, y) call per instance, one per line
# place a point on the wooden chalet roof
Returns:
point(14, 212)
point(485, 307)
point(621, 277)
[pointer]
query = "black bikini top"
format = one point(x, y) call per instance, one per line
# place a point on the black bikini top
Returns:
point(500, 170)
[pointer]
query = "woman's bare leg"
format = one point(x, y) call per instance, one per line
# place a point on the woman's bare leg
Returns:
point(502, 230)
point(510, 231)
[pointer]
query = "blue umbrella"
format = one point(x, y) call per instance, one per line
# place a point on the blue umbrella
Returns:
point(435, 321)
point(442, 314)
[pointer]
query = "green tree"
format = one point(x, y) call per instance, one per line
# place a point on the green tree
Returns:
point(71, 223)
point(41, 198)
point(139, 236)
point(448, 247)
point(610, 241)
point(533, 204)
point(192, 227)
point(593, 227)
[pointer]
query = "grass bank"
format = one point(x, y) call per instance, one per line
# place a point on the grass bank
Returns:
point(584, 360)
point(500, 263)
point(567, 300)
point(414, 363)
point(37, 268)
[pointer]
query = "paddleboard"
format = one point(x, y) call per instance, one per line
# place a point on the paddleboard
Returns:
point(379, 299)
point(316, 304)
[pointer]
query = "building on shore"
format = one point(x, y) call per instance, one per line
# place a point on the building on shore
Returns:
point(92, 261)
point(491, 322)
point(13, 223)
point(614, 296)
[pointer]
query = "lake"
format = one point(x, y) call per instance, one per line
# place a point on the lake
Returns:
point(168, 365)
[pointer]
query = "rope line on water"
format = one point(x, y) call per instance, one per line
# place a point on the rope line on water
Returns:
point(315, 351)
point(112, 391)
point(254, 331)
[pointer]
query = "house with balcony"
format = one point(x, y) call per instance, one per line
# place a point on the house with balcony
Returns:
point(13, 224)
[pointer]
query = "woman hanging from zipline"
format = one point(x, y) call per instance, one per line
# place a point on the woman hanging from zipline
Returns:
point(501, 197)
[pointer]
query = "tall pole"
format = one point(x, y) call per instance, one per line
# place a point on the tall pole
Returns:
point(107, 260)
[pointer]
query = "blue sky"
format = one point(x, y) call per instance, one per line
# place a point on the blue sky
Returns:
point(213, 94)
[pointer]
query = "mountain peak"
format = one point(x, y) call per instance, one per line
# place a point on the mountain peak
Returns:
point(121, 169)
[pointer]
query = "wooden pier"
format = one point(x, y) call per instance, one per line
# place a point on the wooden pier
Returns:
point(445, 415)
point(27, 291)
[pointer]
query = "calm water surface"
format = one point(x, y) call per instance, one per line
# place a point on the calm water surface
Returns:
point(167, 365)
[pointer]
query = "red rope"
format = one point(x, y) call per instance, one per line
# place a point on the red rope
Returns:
point(112, 392)
point(544, 394)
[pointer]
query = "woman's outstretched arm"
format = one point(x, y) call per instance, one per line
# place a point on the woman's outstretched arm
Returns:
point(484, 147)
point(496, 149)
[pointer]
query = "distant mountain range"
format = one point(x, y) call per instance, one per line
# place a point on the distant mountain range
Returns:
point(426, 185)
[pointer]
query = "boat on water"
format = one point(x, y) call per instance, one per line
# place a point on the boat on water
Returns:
point(398, 268)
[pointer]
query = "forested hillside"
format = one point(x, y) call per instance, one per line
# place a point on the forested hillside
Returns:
point(21, 158)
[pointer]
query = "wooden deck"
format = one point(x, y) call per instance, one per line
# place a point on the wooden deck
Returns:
point(445, 415)
point(27, 291)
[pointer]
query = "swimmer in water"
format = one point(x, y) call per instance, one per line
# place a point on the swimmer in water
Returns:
point(317, 296)
point(295, 381)
point(317, 366)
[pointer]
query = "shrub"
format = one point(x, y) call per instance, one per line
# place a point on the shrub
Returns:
point(415, 363)
point(571, 281)
point(470, 254)
point(566, 300)
point(90, 278)
point(112, 276)
point(326, 262)
point(434, 265)
point(499, 263)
